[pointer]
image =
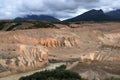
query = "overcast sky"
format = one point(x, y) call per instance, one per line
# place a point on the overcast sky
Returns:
point(61, 9)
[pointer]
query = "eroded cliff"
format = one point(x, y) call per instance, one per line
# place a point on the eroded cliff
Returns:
point(21, 58)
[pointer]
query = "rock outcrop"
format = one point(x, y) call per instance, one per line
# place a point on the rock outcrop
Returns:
point(28, 57)
point(63, 42)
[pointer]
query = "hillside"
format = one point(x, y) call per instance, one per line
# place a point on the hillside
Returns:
point(22, 25)
point(91, 44)
point(115, 13)
point(94, 15)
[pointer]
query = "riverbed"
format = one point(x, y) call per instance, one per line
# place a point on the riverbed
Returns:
point(17, 76)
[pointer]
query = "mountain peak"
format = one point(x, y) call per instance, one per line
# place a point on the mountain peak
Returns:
point(93, 11)
point(92, 15)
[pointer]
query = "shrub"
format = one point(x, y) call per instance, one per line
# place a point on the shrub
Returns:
point(64, 23)
point(44, 25)
point(13, 26)
point(1, 25)
point(60, 73)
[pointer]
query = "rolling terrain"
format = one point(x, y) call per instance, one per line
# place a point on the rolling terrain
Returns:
point(95, 46)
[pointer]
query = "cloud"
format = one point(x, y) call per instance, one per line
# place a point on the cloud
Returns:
point(61, 9)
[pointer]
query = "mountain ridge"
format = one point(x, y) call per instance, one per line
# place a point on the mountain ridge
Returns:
point(114, 13)
point(37, 17)
point(92, 15)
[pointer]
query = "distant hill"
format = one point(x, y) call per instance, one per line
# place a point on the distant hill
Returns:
point(92, 15)
point(115, 13)
point(37, 17)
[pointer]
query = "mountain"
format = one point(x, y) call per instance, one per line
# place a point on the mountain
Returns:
point(37, 17)
point(92, 15)
point(115, 13)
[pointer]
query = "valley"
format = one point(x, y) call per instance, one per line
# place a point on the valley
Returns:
point(88, 48)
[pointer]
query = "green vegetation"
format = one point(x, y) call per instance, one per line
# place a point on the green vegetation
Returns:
point(44, 25)
point(13, 26)
point(1, 25)
point(64, 23)
point(60, 73)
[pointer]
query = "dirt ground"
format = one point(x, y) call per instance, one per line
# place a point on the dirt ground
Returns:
point(98, 43)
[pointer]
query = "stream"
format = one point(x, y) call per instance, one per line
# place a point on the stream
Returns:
point(19, 75)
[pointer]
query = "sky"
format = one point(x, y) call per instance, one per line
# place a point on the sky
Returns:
point(61, 9)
